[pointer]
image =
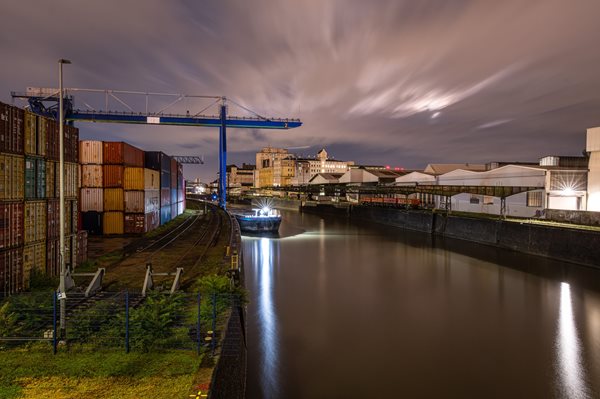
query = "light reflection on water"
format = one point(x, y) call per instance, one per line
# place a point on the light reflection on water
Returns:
point(568, 348)
point(263, 252)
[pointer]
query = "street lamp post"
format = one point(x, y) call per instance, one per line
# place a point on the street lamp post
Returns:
point(61, 182)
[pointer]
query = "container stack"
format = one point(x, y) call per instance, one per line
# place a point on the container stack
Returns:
point(92, 191)
point(29, 208)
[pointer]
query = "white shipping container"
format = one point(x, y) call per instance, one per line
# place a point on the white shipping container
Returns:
point(90, 152)
point(151, 179)
point(91, 176)
point(134, 201)
point(152, 200)
point(92, 199)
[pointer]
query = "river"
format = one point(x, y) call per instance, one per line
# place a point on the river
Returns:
point(346, 310)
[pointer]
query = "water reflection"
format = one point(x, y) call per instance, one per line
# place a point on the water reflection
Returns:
point(263, 249)
point(568, 346)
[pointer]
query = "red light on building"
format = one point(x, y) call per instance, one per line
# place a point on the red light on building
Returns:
point(396, 168)
point(387, 166)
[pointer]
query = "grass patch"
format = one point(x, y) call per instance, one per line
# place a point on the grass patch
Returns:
point(36, 373)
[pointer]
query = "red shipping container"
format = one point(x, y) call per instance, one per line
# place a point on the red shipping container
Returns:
point(11, 271)
point(11, 224)
point(135, 223)
point(112, 175)
point(12, 125)
point(52, 144)
point(53, 217)
point(120, 153)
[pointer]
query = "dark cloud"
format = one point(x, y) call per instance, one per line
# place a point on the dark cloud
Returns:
point(383, 82)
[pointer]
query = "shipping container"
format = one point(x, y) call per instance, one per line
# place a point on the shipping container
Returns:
point(30, 184)
point(120, 153)
point(165, 197)
point(52, 142)
point(92, 199)
point(92, 222)
point(112, 175)
point(180, 194)
point(114, 199)
point(151, 200)
point(71, 250)
point(165, 163)
point(11, 271)
point(71, 179)
point(34, 221)
point(42, 135)
point(74, 221)
point(180, 207)
point(52, 258)
point(11, 224)
point(11, 129)
point(90, 152)
point(34, 259)
point(134, 201)
point(53, 219)
point(165, 180)
point(152, 160)
point(179, 175)
point(173, 173)
point(40, 178)
point(113, 223)
point(30, 133)
point(51, 180)
point(71, 143)
point(91, 176)
point(165, 214)
point(151, 179)
point(133, 178)
point(152, 220)
point(173, 195)
point(135, 223)
point(11, 177)
point(174, 209)
point(82, 238)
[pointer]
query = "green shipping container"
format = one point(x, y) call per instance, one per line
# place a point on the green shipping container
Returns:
point(30, 187)
point(40, 178)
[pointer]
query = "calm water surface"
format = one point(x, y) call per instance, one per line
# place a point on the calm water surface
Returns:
point(341, 310)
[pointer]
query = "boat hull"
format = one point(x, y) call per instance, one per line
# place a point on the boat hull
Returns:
point(252, 224)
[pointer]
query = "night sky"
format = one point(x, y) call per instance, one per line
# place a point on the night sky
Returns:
point(393, 82)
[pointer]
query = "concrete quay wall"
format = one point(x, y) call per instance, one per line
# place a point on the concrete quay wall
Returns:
point(565, 244)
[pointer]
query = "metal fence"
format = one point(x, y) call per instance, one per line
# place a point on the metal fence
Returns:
point(119, 320)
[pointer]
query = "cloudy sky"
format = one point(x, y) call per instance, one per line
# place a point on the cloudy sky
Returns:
point(391, 82)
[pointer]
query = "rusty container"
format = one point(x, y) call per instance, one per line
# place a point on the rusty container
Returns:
point(133, 178)
point(90, 152)
point(53, 219)
point(30, 133)
point(92, 199)
point(112, 223)
point(71, 179)
point(11, 271)
point(34, 221)
point(52, 190)
point(12, 174)
point(52, 258)
point(52, 143)
point(134, 201)
point(120, 153)
point(82, 239)
point(71, 143)
point(135, 223)
point(34, 260)
point(112, 175)
point(114, 199)
point(42, 136)
point(11, 129)
point(11, 224)
point(92, 175)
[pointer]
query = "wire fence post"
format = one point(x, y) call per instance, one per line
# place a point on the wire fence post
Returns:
point(54, 323)
point(214, 322)
point(126, 321)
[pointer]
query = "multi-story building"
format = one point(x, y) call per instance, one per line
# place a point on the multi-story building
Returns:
point(267, 156)
point(240, 177)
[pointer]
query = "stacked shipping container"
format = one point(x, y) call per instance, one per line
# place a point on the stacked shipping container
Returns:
point(29, 208)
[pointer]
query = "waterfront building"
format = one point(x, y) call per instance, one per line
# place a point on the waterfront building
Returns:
point(593, 185)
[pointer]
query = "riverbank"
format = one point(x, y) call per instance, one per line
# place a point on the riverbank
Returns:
point(560, 242)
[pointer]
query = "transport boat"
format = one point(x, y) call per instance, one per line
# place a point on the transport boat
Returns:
point(261, 220)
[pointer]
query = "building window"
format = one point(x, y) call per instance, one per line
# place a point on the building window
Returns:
point(474, 199)
point(487, 200)
point(535, 198)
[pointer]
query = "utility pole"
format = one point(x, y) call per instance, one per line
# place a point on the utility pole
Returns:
point(223, 155)
point(61, 182)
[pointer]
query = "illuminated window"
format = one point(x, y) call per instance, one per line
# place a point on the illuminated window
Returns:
point(487, 200)
point(535, 198)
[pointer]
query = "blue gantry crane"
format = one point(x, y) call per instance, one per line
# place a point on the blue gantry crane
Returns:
point(45, 102)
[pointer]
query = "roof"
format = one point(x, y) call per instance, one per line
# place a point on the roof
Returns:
point(441, 168)
point(328, 177)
